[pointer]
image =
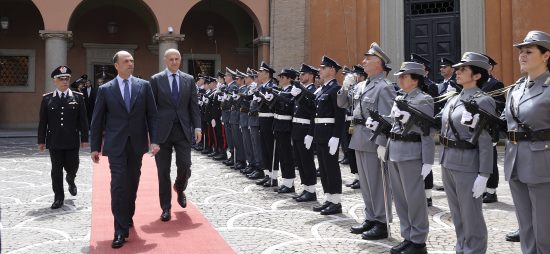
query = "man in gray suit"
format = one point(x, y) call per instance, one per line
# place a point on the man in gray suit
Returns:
point(376, 93)
point(124, 120)
point(178, 113)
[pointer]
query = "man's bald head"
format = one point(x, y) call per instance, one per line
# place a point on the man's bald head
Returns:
point(172, 60)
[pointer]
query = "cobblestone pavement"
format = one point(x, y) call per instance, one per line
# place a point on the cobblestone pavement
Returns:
point(252, 219)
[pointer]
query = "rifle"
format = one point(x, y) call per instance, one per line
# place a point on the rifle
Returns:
point(383, 125)
point(425, 122)
point(487, 120)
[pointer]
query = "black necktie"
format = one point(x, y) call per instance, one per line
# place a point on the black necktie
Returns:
point(63, 96)
point(175, 91)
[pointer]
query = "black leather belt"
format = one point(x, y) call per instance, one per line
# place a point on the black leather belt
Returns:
point(515, 136)
point(460, 144)
point(405, 138)
point(253, 113)
point(244, 110)
point(358, 121)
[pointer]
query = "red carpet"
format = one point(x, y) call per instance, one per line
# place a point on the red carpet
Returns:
point(187, 232)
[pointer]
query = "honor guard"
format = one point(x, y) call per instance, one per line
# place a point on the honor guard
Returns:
point(234, 120)
point(254, 127)
point(329, 122)
point(448, 84)
point(373, 96)
point(283, 106)
point(302, 122)
point(411, 150)
point(265, 114)
point(527, 153)
point(467, 155)
point(62, 129)
point(243, 103)
point(226, 101)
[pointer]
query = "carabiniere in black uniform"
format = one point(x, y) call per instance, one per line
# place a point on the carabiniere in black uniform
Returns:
point(63, 126)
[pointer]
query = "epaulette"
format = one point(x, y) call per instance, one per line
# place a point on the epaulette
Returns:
point(547, 82)
point(79, 93)
point(47, 94)
point(388, 82)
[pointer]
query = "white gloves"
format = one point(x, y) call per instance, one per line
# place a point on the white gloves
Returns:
point(401, 116)
point(333, 145)
point(236, 96)
point(468, 119)
point(381, 152)
point(295, 91)
point(307, 141)
point(200, 103)
point(371, 124)
point(269, 97)
point(222, 97)
point(205, 100)
point(250, 91)
point(479, 186)
point(256, 98)
point(349, 81)
point(213, 123)
point(426, 169)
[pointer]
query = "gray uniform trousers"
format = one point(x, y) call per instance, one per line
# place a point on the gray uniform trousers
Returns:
point(237, 137)
point(410, 199)
point(370, 179)
point(247, 143)
point(226, 115)
point(471, 232)
point(255, 140)
point(526, 163)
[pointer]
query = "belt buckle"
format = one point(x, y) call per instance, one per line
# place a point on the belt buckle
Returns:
point(514, 138)
point(445, 142)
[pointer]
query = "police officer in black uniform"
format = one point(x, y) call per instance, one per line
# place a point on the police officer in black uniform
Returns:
point(63, 129)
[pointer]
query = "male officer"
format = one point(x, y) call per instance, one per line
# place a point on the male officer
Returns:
point(448, 84)
point(234, 120)
point(244, 118)
point(89, 92)
point(376, 93)
point(214, 120)
point(254, 128)
point(225, 99)
point(329, 122)
point(265, 114)
point(492, 84)
point(62, 129)
point(302, 121)
point(283, 105)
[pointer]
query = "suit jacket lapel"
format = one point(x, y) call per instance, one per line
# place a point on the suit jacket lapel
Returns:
point(136, 89)
point(181, 87)
point(115, 89)
point(532, 92)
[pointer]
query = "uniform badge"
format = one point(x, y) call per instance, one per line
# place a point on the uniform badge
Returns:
point(63, 69)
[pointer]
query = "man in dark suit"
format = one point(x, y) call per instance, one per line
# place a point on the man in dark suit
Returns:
point(124, 118)
point(178, 113)
point(90, 93)
point(62, 129)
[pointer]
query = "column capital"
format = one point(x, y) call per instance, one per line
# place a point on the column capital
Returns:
point(168, 37)
point(47, 34)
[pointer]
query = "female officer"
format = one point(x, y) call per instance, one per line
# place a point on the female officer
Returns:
point(411, 156)
point(466, 163)
point(527, 153)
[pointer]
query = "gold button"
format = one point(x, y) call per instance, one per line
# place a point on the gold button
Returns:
point(545, 146)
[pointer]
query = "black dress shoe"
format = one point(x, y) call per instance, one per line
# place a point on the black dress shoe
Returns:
point(257, 174)
point(307, 197)
point(513, 236)
point(206, 151)
point(285, 189)
point(221, 156)
point(230, 164)
point(344, 161)
point(240, 165)
point(57, 204)
point(182, 199)
point(165, 216)
point(262, 181)
point(332, 209)
point(356, 185)
point(212, 154)
point(350, 184)
point(415, 248)
point(271, 183)
point(490, 198)
point(298, 195)
point(400, 247)
point(365, 226)
point(249, 169)
point(429, 202)
point(118, 241)
point(320, 207)
point(379, 231)
point(72, 186)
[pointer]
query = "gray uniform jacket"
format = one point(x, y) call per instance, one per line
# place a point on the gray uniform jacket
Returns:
point(528, 160)
point(424, 150)
point(467, 160)
point(377, 93)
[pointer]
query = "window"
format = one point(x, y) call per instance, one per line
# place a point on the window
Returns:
point(17, 70)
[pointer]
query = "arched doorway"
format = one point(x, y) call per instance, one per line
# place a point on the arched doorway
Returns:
point(21, 63)
point(218, 34)
point(102, 27)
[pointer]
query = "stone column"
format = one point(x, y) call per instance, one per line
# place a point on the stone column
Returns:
point(263, 45)
point(166, 41)
point(56, 53)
